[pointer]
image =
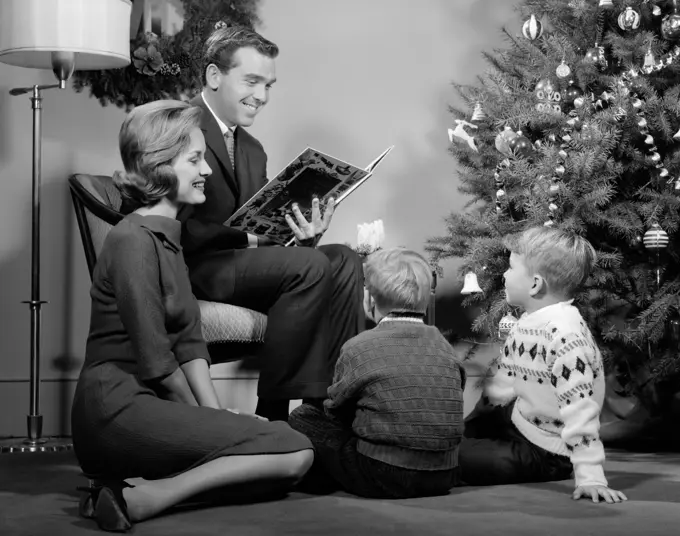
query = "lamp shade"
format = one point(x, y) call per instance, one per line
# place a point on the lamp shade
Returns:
point(96, 31)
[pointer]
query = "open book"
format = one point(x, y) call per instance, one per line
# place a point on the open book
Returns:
point(311, 174)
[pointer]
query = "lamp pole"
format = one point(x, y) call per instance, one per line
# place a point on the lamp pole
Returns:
point(55, 34)
point(63, 66)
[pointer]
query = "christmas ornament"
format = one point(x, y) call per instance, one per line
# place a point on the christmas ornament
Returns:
point(636, 242)
point(532, 29)
point(595, 56)
point(560, 170)
point(629, 19)
point(478, 114)
point(572, 93)
point(549, 99)
point(543, 86)
point(652, 149)
point(670, 27)
point(563, 70)
point(521, 146)
point(460, 133)
point(503, 139)
point(505, 326)
point(656, 238)
point(664, 61)
point(471, 286)
point(500, 182)
point(649, 59)
point(674, 331)
point(589, 132)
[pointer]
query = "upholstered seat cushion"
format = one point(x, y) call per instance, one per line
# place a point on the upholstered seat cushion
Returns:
point(221, 322)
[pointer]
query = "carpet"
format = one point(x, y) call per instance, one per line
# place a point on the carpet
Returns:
point(38, 497)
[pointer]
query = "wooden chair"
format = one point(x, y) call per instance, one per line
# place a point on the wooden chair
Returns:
point(232, 333)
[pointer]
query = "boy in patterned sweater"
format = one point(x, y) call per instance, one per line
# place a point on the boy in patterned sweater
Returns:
point(393, 420)
point(548, 390)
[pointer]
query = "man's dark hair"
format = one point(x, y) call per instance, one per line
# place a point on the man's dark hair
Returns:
point(224, 42)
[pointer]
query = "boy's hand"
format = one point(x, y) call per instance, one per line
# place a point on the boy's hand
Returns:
point(597, 492)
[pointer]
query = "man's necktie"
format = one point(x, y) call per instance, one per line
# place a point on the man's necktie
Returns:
point(229, 139)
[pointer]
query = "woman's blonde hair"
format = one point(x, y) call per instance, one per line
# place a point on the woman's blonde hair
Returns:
point(398, 280)
point(152, 136)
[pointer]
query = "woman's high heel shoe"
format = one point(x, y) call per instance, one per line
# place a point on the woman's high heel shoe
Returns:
point(106, 504)
point(110, 511)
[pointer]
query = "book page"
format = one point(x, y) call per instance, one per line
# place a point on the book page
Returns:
point(311, 174)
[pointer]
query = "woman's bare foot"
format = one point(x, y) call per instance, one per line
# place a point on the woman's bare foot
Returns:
point(146, 499)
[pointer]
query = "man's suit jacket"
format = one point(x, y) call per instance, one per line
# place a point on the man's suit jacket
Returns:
point(226, 190)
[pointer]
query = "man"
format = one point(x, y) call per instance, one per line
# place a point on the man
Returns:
point(312, 296)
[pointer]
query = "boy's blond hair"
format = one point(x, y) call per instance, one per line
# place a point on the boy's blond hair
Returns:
point(563, 259)
point(398, 279)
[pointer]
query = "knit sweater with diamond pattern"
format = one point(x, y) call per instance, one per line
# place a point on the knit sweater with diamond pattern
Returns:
point(399, 388)
point(552, 367)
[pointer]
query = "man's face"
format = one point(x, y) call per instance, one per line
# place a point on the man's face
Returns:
point(238, 96)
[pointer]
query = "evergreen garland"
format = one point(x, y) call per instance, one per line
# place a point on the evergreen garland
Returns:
point(167, 67)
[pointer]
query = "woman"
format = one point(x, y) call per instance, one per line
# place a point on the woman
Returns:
point(146, 420)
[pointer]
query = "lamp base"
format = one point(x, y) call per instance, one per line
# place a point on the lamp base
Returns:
point(44, 444)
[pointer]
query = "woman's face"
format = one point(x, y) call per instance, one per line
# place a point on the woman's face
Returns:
point(192, 171)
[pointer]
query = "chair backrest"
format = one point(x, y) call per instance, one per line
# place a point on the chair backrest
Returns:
point(96, 202)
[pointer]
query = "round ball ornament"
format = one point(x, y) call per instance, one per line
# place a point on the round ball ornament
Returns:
point(563, 70)
point(521, 146)
point(656, 238)
point(543, 87)
point(532, 29)
point(572, 93)
point(594, 56)
point(629, 19)
point(505, 326)
point(503, 140)
point(670, 27)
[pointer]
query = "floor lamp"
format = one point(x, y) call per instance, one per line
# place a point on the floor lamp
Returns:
point(61, 35)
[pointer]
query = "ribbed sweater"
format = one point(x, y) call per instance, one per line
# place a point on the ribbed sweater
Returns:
point(552, 367)
point(399, 388)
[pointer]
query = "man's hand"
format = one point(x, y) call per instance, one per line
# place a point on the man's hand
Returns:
point(597, 492)
point(309, 233)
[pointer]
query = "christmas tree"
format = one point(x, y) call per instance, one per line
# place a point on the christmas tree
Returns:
point(576, 125)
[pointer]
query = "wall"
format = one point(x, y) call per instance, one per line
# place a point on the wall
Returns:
point(354, 77)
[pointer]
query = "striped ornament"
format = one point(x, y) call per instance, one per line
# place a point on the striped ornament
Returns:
point(656, 238)
point(532, 29)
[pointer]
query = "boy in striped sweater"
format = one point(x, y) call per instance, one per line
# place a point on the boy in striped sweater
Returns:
point(393, 420)
point(547, 392)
